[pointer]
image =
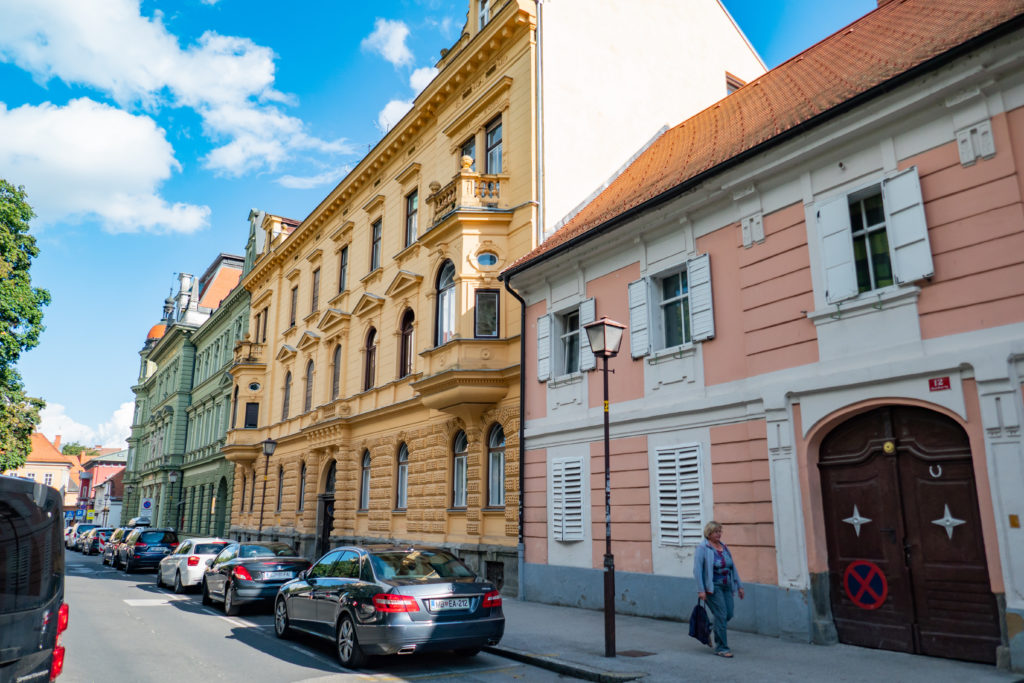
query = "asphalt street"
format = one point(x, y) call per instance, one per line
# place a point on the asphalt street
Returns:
point(124, 628)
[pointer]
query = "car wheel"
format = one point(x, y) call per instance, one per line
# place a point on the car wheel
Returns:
point(128, 568)
point(467, 652)
point(206, 594)
point(159, 578)
point(230, 601)
point(349, 653)
point(281, 628)
point(179, 587)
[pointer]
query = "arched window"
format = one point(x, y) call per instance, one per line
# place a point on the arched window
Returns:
point(402, 487)
point(496, 467)
point(287, 395)
point(364, 483)
point(331, 478)
point(336, 372)
point(460, 450)
point(406, 351)
point(307, 404)
point(280, 486)
point(302, 487)
point(445, 304)
point(370, 369)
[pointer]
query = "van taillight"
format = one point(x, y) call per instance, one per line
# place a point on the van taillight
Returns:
point(57, 663)
point(62, 618)
point(492, 599)
point(193, 560)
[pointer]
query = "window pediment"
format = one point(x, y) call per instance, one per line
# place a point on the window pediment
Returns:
point(307, 340)
point(461, 125)
point(286, 352)
point(345, 229)
point(408, 173)
point(403, 281)
point(314, 255)
point(293, 274)
point(331, 319)
point(372, 205)
point(367, 304)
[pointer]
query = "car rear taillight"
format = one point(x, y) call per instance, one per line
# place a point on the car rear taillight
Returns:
point(62, 618)
point(492, 599)
point(193, 560)
point(174, 545)
point(140, 544)
point(242, 573)
point(57, 663)
point(390, 602)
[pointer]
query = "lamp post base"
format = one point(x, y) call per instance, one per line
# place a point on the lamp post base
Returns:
point(609, 605)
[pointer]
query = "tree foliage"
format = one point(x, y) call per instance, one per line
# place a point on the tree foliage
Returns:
point(75, 448)
point(21, 323)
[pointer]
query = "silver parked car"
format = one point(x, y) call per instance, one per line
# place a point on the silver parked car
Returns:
point(380, 600)
point(183, 569)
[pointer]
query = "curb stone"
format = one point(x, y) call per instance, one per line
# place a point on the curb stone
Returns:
point(561, 666)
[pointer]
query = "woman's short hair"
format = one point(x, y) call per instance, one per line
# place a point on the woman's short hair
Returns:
point(711, 527)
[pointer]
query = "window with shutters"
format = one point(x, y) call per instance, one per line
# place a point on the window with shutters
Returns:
point(570, 353)
point(678, 491)
point(567, 499)
point(671, 309)
point(569, 342)
point(874, 238)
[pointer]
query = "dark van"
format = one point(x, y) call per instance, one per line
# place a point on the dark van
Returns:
point(32, 609)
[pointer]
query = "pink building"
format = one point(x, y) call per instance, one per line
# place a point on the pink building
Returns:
point(823, 281)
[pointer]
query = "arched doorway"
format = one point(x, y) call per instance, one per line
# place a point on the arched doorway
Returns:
point(907, 566)
point(220, 508)
point(325, 510)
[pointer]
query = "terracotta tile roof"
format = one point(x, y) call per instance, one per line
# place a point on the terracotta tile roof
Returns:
point(44, 451)
point(882, 45)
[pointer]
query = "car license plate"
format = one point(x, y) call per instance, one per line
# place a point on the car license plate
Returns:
point(440, 605)
point(165, 551)
point(269, 576)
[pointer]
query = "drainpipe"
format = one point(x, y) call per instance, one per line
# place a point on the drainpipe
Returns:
point(521, 546)
point(539, 78)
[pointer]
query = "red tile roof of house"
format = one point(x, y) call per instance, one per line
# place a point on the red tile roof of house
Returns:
point(44, 451)
point(885, 44)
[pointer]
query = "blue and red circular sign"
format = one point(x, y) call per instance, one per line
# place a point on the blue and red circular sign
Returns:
point(865, 584)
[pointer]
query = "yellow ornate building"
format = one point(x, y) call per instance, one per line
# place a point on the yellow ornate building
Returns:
point(383, 355)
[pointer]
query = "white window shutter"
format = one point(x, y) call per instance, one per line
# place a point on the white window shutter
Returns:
point(588, 313)
point(544, 348)
point(906, 228)
point(679, 496)
point(837, 250)
point(567, 499)
point(639, 338)
point(702, 313)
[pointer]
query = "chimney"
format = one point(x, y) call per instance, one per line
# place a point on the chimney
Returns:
point(56, 442)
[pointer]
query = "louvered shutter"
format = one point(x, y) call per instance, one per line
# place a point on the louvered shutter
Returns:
point(587, 315)
point(702, 314)
point(544, 348)
point(837, 250)
point(567, 499)
point(639, 339)
point(906, 227)
point(679, 496)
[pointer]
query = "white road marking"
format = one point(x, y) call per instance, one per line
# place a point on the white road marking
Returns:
point(153, 602)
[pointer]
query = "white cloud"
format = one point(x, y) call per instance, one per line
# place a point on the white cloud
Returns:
point(421, 78)
point(392, 113)
point(88, 159)
point(388, 40)
point(110, 46)
point(328, 177)
point(110, 434)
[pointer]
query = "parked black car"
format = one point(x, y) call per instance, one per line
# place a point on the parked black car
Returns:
point(71, 540)
point(250, 572)
point(144, 547)
point(113, 543)
point(388, 600)
point(33, 613)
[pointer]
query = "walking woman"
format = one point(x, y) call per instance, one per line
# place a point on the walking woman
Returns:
point(717, 580)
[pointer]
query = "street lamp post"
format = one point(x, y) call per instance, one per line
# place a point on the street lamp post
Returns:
point(605, 336)
point(268, 450)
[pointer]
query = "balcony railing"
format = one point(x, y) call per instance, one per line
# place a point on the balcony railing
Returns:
point(468, 190)
point(248, 352)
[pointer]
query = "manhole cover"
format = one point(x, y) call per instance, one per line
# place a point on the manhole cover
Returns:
point(634, 653)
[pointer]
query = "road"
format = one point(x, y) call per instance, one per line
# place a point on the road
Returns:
point(124, 628)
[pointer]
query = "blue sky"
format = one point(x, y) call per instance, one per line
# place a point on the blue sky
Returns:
point(144, 133)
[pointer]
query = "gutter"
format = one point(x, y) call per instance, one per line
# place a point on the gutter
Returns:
point(539, 84)
point(877, 91)
point(520, 545)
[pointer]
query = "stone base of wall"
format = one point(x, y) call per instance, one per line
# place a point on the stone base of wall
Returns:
point(767, 610)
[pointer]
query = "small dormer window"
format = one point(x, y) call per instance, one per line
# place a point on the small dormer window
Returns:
point(485, 13)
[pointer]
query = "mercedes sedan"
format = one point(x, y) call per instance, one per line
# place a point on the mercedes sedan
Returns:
point(381, 600)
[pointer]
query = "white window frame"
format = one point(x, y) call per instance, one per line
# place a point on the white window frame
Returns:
point(459, 478)
point(365, 464)
point(567, 480)
point(495, 469)
point(645, 308)
point(402, 488)
point(679, 495)
point(484, 15)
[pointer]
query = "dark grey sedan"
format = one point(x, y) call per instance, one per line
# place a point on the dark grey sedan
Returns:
point(250, 572)
point(381, 600)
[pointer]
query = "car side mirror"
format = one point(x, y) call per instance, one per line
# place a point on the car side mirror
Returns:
point(302, 575)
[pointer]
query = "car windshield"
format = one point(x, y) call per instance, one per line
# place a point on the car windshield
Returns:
point(266, 550)
point(151, 537)
point(418, 564)
point(208, 548)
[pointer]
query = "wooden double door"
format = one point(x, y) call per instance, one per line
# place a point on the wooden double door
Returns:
point(907, 560)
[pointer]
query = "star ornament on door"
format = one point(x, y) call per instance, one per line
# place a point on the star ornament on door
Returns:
point(948, 522)
point(856, 520)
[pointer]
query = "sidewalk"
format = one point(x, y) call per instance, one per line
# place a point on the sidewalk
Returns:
point(571, 641)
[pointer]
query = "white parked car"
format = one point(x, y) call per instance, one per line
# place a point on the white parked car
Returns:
point(183, 569)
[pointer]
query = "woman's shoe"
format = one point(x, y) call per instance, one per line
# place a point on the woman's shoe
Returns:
point(723, 653)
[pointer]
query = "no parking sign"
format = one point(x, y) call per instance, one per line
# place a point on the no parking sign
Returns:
point(865, 584)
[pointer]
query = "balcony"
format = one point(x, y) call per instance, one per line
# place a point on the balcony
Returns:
point(467, 190)
point(247, 352)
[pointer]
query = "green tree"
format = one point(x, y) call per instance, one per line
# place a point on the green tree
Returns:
point(75, 448)
point(21, 323)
